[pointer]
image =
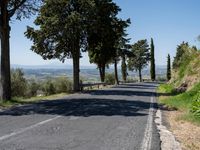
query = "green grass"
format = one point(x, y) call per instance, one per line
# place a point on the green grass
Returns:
point(21, 101)
point(182, 102)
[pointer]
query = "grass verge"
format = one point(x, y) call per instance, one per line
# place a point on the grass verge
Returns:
point(21, 101)
point(182, 102)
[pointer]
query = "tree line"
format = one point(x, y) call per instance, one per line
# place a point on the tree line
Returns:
point(67, 28)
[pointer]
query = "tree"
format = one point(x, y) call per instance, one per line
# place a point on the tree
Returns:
point(102, 35)
point(140, 57)
point(180, 52)
point(62, 32)
point(121, 45)
point(125, 53)
point(168, 67)
point(152, 69)
point(9, 8)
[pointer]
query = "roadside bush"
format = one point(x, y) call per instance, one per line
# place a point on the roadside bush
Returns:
point(33, 87)
point(18, 83)
point(48, 87)
point(63, 84)
point(110, 78)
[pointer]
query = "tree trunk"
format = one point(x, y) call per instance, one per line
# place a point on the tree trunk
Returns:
point(102, 72)
point(76, 68)
point(140, 75)
point(124, 68)
point(5, 53)
point(116, 73)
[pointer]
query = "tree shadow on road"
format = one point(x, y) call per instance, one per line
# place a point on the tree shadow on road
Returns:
point(83, 107)
point(120, 92)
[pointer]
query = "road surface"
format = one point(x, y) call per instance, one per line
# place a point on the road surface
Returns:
point(119, 118)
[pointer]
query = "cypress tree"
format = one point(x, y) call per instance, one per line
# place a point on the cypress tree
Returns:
point(168, 67)
point(152, 71)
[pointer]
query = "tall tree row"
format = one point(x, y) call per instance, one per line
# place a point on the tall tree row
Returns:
point(105, 37)
point(68, 28)
point(152, 67)
point(9, 8)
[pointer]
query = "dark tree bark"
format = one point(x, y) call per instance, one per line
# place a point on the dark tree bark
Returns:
point(102, 72)
point(116, 73)
point(124, 68)
point(5, 52)
point(140, 75)
point(76, 69)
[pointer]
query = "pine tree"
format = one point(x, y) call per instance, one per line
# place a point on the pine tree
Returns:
point(168, 67)
point(152, 71)
point(62, 32)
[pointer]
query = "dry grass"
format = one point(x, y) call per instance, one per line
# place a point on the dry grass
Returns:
point(186, 133)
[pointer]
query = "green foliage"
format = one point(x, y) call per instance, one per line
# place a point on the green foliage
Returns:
point(62, 32)
point(187, 102)
point(168, 67)
point(152, 68)
point(186, 63)
point(166, 88)
point(140, 55)
point(195, 108)
point(18, 82)
point(110, 78)
point(63, 85)
point(105, 35)
point(48, 87)
point(181, 50)
point(32, 89)
point(22, 8)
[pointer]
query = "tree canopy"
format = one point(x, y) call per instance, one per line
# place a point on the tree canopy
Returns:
point(103, 34)
point(140, 58)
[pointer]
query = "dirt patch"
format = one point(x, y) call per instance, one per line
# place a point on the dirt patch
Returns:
point(186, 133)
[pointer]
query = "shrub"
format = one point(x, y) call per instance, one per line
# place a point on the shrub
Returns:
point(195, 108)
point(63, 84)
point(18, 83)
point(48, 87)
point(33, 87)
point(110, 78)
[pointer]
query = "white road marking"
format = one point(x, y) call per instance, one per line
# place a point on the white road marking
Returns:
point(27, 128)
point(146, 143)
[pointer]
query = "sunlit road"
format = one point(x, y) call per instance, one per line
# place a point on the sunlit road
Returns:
point(119, 118)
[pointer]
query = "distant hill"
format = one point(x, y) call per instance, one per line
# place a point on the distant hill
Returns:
point(49, 66)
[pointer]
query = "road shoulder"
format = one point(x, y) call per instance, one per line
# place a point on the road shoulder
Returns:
point(186, 133)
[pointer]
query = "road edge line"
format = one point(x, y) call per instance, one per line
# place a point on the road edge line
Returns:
point(146, 143)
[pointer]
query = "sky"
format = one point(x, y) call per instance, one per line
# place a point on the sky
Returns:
point(168, 22)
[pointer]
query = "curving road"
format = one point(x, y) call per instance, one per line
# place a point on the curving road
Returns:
point(119, 118)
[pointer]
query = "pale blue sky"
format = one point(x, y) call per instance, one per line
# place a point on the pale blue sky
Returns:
point(168, 22)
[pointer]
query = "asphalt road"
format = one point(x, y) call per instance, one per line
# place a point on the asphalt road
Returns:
point(119, 118)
